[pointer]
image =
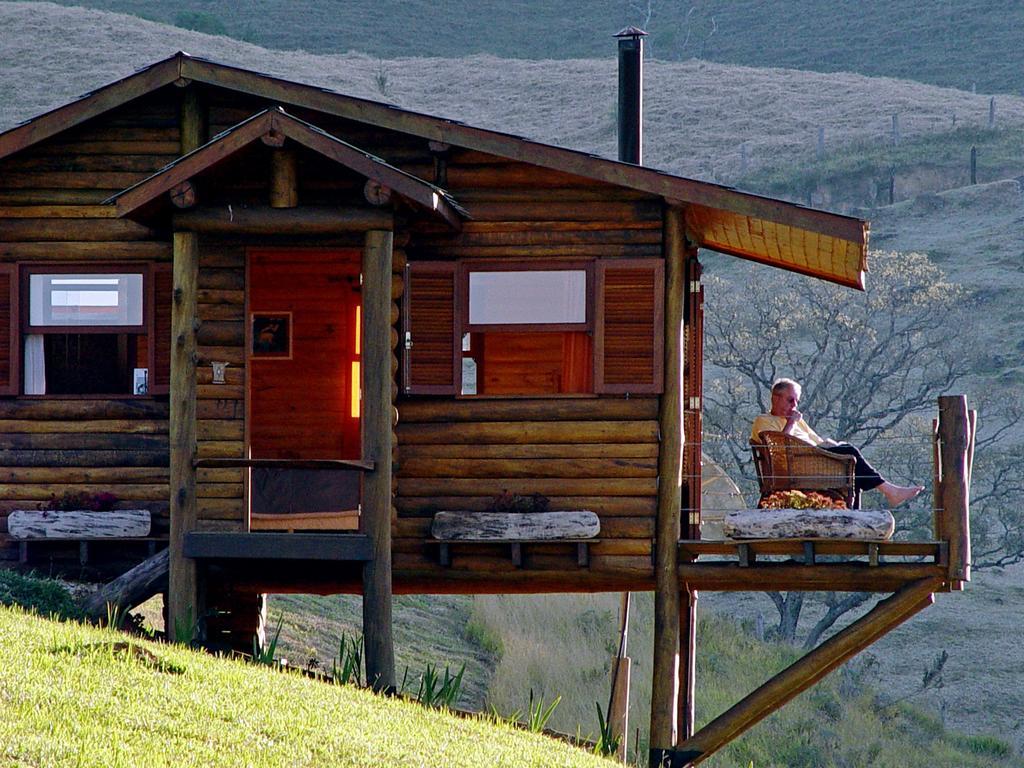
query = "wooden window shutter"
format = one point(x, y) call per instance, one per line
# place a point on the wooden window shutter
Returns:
point(9, 383)
point(432, 359)
point(629, 330)
point(160, 341)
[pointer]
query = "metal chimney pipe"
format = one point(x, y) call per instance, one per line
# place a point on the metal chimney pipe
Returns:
point(631, 79)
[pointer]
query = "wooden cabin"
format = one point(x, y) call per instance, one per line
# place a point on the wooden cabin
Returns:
point(295, 325)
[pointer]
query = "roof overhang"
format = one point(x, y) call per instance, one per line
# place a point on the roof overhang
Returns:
point(278, 123)
point(825, 245)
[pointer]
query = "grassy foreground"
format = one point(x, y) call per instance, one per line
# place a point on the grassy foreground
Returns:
point(75, 695)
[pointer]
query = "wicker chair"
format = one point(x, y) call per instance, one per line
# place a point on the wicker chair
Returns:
point(786, 463)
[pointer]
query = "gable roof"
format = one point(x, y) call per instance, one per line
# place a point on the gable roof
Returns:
point(821, 244)
point(277, 121)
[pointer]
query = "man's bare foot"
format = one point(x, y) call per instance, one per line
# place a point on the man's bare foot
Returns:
point(899, 494)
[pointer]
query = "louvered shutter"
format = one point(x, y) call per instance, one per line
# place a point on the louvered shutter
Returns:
point(8, 329)
point(160, 346)
point(432, 350)
point(629, 332)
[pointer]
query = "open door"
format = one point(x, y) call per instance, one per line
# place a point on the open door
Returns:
point(303, 361)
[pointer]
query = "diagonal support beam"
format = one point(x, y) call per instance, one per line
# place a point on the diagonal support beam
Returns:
point(807, 671)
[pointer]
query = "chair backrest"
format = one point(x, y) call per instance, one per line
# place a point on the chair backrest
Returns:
point(784, 463)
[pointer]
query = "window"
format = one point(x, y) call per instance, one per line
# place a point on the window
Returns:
point(523, 329)
point(91, 331)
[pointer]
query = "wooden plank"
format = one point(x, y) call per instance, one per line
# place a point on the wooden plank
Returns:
point(86, 458)
point(824, 547)
point(530, 432)
point(527, 452)
point(183, 606)
point(418, 410)
point(86, 476)
point(125, 426)
point(789, 576)
point(206, 545)
point(76, 524)
point(264, 220)
point(502, 526)
point(515, 467)
point(616, 486)
point(68, 410)
point(138, 250)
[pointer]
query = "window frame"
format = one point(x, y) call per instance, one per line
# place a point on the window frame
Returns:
point(25, 326)
point(21, 327)
point(465, 266)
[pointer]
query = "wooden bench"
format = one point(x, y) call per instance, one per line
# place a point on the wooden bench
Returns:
point(514, 530)
point(31, 526)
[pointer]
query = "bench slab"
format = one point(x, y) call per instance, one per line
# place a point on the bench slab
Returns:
point(78, 524)
point(869, 524)
point(515, 526)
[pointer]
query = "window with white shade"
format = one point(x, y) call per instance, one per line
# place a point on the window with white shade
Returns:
point(528, 297)
point(97, 300)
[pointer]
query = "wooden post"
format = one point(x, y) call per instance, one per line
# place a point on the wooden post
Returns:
point(284, 179)
point(664, 688)
point(618, 701)
point(895, 130)
point(974, 165)
point(808, 670)
point(193, 120)
point(183, 605)
point(954, 430)
point(688, 662)
point(375, 520)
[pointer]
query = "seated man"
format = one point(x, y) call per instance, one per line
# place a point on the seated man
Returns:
point(785, 417)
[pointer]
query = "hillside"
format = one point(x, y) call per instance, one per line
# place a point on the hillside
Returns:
point(946, 42)
point(87, 697)
point(698, 114)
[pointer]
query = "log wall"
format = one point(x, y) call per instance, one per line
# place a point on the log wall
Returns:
point(50, 212)
point(588, 453)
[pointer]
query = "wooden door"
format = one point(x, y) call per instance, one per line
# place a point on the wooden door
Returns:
point(303, 364)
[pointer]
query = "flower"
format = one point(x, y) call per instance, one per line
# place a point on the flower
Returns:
point(800, 500)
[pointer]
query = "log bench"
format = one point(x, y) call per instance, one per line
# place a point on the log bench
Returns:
point(36, 527)
point(515, 530)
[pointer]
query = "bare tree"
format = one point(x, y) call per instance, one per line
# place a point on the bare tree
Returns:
point(873, 365)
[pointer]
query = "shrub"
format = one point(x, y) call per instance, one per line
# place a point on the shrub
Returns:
point(43, 596)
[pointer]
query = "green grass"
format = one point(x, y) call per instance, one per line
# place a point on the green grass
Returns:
point(999, 155)
point(74, 695)
point(945, 42)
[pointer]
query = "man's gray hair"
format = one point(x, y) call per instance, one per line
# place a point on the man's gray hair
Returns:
point(781, 384)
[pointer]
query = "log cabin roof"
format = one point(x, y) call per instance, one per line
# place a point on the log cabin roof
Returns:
point(818, 243)
point(276, 121)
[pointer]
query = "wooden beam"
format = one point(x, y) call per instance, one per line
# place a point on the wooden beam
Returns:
point(664, 690)
point(954, 431)
point(284, 179)
point(368, 165)
point(260, 220)
point(183, 607)
point(193, 120)
point(795, 576)
point(805, 672)
point(378, 413)
point(278, 546)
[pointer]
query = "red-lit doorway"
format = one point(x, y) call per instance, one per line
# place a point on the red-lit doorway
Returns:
point(303, 371)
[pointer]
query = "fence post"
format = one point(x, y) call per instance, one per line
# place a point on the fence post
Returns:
point(974, 165)
point(896, 130)
point(957, 438)
point(992, 112)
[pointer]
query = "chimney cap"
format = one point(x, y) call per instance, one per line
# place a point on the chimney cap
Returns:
point(631, 32)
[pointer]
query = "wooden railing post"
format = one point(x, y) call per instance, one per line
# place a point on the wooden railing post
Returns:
point(956, 437)
point(183, 609)
point(665, 685)
point(377, 430)
point(687, 662)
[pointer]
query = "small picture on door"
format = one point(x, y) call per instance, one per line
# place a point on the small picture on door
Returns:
point(272, 335)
